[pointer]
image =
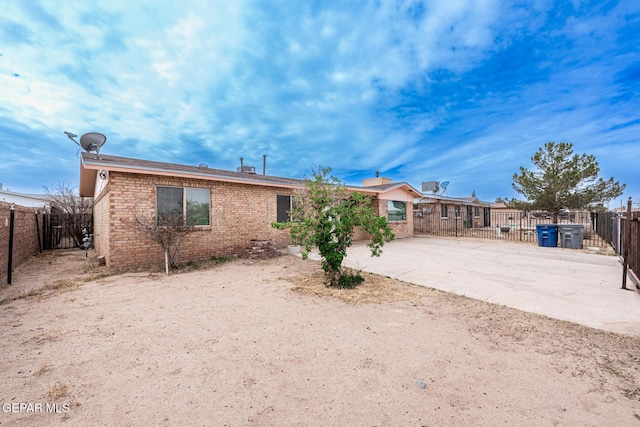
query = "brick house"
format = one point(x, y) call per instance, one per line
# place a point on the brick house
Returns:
point(229, 208)
point(444, 213)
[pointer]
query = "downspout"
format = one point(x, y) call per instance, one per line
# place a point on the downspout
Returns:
point(12, 218)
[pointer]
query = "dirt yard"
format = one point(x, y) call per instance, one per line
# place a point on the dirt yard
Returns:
point(265, 343)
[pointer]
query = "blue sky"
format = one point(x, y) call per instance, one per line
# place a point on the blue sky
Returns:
point(458, 91)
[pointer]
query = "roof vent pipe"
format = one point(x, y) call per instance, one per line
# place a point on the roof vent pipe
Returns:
point(264, 164)
point(241, 164)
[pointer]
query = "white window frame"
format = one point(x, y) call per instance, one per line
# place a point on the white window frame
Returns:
point(444, 211)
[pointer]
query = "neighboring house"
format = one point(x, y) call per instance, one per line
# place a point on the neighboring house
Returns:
point(438, 212)
point(27, 200)
point(503, 215)
point(394, 201)
point(229, 208)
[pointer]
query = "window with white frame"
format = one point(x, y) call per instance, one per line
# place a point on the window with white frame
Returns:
point(477, 211)
point(444, 211)
point(396, 211)
point(193, 204)
point(457, 211)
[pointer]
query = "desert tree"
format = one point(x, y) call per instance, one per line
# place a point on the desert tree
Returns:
point(326, 215)
point(65, 199)
point(169, 230)
point(563, 180)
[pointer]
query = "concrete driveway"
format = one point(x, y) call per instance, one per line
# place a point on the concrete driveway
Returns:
point(565, 284)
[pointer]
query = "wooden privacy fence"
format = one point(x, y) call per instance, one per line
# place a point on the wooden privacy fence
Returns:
point(634, 244)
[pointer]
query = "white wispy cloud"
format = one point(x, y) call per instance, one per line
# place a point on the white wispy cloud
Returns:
point(462, 89)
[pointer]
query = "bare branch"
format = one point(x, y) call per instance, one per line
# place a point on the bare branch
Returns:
point(169, 233)
point(65, 199)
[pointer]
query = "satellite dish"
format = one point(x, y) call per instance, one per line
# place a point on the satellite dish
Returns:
point(444, 187)
point(92, 141)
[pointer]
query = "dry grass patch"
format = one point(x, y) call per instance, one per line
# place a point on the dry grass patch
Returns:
point(46, 336)
point(92, 272)
point(206, 264)
point(42, 369)
point(61, 285)
point(374, 289)
point(58, 391)
point(632, 394)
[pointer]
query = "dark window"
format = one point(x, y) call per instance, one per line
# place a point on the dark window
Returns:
point(487, 216)
point(444, 211)
point(169, 203)
point(284, 208)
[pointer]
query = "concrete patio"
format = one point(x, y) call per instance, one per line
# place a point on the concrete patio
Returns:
point(568, 284)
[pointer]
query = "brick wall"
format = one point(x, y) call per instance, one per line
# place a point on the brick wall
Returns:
point(239, 213)
point(25, 236)
point(400, 228)
point(101, 223)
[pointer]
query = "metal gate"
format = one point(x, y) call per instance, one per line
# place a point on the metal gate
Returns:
point(63, 231)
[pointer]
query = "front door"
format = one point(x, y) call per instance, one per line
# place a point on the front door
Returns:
point(486, 212)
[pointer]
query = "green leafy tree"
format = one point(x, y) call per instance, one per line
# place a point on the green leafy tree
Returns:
point(563, 180)
point(326, 215)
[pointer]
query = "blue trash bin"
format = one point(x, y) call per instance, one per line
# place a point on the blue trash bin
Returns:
point(547, 235)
